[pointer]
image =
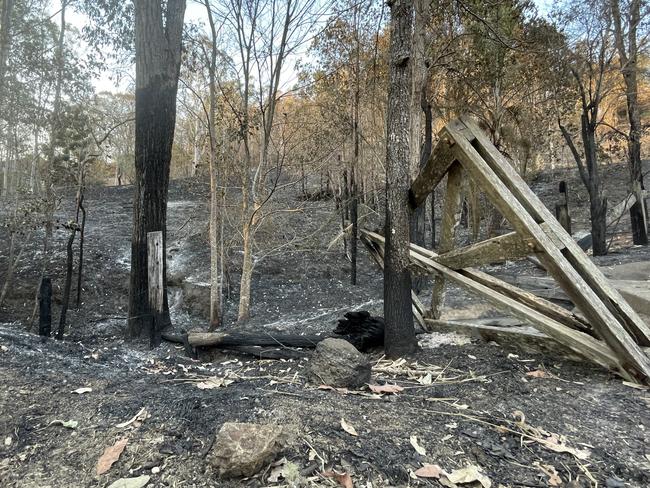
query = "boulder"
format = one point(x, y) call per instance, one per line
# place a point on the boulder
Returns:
point(243, 449)
point(338, 363)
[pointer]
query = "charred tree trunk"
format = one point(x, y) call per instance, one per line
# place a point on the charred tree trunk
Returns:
point(628, 59)
point(68, 281)
point(45, 307)
point(158, 33)
point(81, 249)
point(399, 335)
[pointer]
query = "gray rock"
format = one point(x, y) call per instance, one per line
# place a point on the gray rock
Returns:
point(337, 363)
point(242, 449)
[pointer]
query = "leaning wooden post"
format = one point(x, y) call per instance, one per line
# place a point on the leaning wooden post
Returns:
point(45, 307)
point(562, 213)
point(450, 220)
point(155, 283)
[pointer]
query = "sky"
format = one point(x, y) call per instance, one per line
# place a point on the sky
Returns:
point(195, 12)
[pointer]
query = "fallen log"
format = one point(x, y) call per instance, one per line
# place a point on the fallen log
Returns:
point(360, 329)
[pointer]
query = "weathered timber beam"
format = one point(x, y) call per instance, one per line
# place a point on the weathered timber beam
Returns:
point(592, 277)
point(522, 337)
point(577, 341)
point(436, 168)
point(451, 213)
point(573, 270)
point(496, 250)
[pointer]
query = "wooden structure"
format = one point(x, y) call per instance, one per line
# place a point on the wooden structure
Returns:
point(609, 333)
point(155, 283)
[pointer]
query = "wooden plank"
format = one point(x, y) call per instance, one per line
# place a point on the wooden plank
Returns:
point(545, 307)
point(525, 216)
point(577, 341)
point(496, 250)
point(618, 308)
point(155, 271)
point(432, 173)
point(450, 221)
point(523, 337)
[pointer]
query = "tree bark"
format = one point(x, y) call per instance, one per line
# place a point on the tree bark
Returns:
point(158, 55)
point(215, 224)
point(628, 59)
point(399, 335)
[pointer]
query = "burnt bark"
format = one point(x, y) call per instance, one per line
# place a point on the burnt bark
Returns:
point(68, 282)
point(45, 307)
point(399, 334)
point(628, 59)
point(158, 54)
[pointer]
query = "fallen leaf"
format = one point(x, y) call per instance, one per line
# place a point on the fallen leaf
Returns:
point(138, 482)
point(348, 428)
point(427, 379)
point(469, 474)
point(538, 373)
point(68, 424)
point(344, 479)
point(141, 415)
point(214, 382)
point(385, 388)
point(420, 450)
point(429, 471)
point(81, 391)
point(553, 476)
point(110, 455)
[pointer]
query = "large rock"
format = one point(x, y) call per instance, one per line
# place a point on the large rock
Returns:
point(241, 449)
point(337, 363)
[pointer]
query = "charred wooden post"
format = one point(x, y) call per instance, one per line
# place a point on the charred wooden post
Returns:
point(562, 213)
point(156, 299)
point(45, 307)
point(72, 226)
point(638, 215)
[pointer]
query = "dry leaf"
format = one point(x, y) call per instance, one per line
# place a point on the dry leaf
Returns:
point(429, 471)
point(344, 479)
point(348, 428)
point(80, 391)
point(420, 450)
point(427, 379)
point(141, 415)
point(469, 474)
point(214, 382)
point(110, 455)
point(68, 424)
point(538, 373)
point(385, 388)
point(553, 476)
point(138, 482)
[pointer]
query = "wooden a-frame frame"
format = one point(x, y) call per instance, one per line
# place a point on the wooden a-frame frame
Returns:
point(611, 333)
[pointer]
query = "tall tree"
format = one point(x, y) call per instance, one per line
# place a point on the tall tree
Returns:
point(628, 56)
point(590, 62)
point(158, 40)
point(399, 332)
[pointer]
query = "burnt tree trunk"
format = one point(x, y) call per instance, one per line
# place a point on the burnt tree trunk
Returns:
point(68, 282)
point(158, 33)
point(81, 248)
point(399, 334)
point(628, 59)
point(45, 307)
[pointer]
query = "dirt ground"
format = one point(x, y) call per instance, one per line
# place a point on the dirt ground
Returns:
point(467, 403)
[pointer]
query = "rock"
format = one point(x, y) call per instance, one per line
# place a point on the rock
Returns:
point(242, 449)
point(337, 363)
